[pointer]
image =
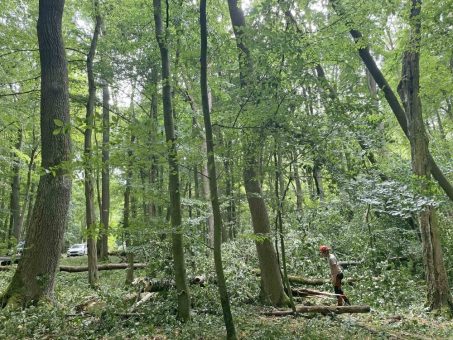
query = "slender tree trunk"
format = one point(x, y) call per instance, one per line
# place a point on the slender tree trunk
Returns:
point(35, 274)
point(126, 223)
point(128, 199)
point(174, 186)
point(15, 191)
point(317, 176)
point(299, 192)
point(30, 207)
point(105, 182)
point(221, 283)
point(436, 276)
point(28, 185)
point(271, 278)
point(88, 152)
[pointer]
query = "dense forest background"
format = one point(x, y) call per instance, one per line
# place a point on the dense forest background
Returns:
point(223, 141)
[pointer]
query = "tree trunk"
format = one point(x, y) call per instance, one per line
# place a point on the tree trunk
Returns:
point(271, 278)
point(127, 196)
point(105, 182)
point(212, 177)
point(88, 154)
point(392, 100)
point(174, 187)
point(35, 274)
point(317, 176)
point(15, 191)
point(299, 192)
point(436, 276)
point(28, 186)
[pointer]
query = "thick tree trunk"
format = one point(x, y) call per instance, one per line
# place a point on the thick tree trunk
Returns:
point(105, 182)
point(35, 274)
point(436, 276)
point(174, 186)
point(212, 177)
point(90, 214)
point(271, 278)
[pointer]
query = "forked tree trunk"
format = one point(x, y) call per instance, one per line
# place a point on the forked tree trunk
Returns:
point(90, 214)
point(271, 278)
point(173, 176)
point(391, 98)
point(436, 276)
point(212, 177)
point(35, 275)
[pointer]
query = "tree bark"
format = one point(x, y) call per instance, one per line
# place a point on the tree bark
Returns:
point(436, 276)
point(127, 197)
point(392, 100)
point(212, 177)
point(174, 186)
point(105, 182)
point(108, 266)
point(15, 191)
point(28, 186)
point(35, 275)
point(271, 277)
point(90, 214)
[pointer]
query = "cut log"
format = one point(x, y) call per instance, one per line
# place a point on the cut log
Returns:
point(109, 266)
point(308, 292)
point(322, 310)
point(309, 281)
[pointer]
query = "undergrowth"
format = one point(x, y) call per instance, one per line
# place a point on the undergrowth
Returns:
point(395, 295)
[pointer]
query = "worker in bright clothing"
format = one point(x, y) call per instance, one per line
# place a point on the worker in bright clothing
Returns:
point(336, 274)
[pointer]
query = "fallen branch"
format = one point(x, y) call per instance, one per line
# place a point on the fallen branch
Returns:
point(321, 309)
point(310, 292)
point(309, 281)
point(109, 266)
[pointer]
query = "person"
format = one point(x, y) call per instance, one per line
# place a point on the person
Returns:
point(336, 274)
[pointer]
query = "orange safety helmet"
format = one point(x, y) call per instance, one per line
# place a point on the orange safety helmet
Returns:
point(324, 248)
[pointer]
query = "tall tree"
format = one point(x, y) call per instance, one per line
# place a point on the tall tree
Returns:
point(35, 274)
point(173, 176)
point(270, 271)
point(212, 175)
point(105, 181)
point(409, 89)
point(90, 213)
point(392, 100)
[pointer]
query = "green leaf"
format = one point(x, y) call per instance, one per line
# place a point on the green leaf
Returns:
point(58, 122)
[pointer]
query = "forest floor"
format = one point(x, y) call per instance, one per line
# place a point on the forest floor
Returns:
point(113, 318)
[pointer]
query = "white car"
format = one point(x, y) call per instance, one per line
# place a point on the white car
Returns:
point(77, 250)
